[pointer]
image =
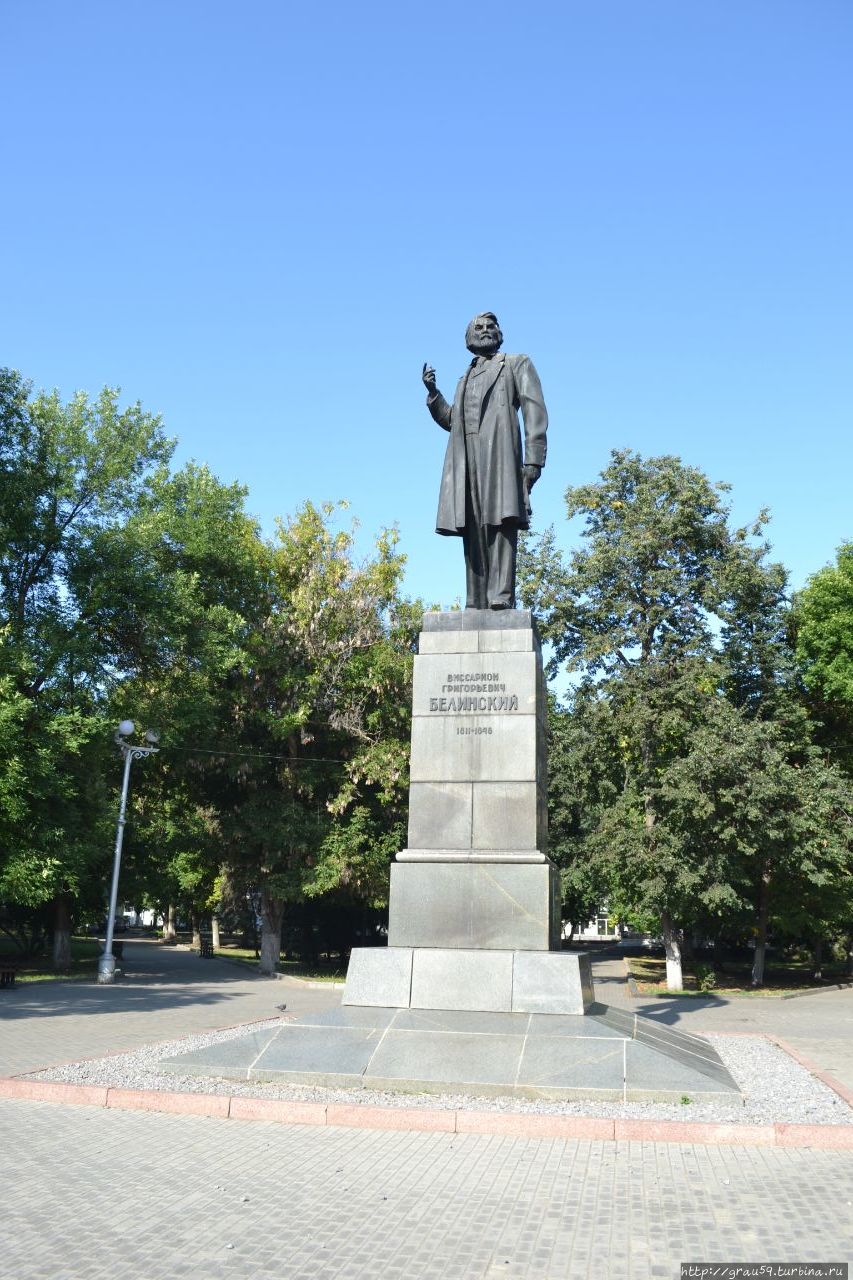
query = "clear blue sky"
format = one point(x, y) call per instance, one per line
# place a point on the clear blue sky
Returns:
point(260, 219)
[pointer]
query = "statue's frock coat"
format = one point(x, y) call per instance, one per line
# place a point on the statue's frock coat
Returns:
point(512, 384)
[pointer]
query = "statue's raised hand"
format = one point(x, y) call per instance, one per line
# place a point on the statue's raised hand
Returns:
point(428, 376)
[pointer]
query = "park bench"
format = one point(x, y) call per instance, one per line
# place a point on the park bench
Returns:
point(8, 972)
point(206, 948)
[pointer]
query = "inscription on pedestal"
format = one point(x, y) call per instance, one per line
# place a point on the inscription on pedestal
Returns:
point(478, 744)
point(504, 684)
point(476, 721)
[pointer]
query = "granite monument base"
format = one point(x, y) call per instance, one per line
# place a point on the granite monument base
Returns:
point(480, 981)
point(608, 1056)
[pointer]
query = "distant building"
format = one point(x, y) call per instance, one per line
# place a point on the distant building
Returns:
point(602, 926)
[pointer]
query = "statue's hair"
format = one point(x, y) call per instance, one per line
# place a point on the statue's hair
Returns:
point(469, 332)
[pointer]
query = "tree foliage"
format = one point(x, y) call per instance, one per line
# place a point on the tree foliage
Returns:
point(277, 670)
point(685, 723)
point(322, 711)
point(693, 768)
point(822, 629)
point(73, 474)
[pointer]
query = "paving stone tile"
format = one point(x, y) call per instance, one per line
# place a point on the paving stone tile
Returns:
point(576, 1026)
point(471, 1023)
point(557, 1062)
point(469, 1059)
point(91, 1192)
point(230, 1059)
point(330, 1051)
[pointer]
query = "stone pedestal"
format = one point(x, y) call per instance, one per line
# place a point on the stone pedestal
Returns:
point(474, 917)
point(494, 905)
point(478, 766)
point(483, 981)
point(456, 1002)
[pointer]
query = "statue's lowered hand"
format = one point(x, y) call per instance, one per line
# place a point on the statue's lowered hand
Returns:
point(530, 473)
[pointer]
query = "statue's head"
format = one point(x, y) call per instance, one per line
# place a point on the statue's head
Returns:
point(483, 335)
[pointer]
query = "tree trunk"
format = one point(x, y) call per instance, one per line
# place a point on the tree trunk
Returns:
point(849, 949)
point(62, 932)
point(272, 916)
point(674, 976)
point(817, 959)
point(761, 936)
point(249, 934)
point(214, 930)
point(195, 924)
point(170, 930)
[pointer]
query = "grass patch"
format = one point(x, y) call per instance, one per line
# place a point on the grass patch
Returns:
point(84, 962)
point(780, 979)
point(326, 971)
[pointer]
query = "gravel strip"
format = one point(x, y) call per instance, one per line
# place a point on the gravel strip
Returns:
point(775, 1087)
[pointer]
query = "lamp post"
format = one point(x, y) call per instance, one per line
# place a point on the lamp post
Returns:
point(131, 751)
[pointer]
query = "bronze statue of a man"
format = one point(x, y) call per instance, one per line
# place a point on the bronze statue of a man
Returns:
point(485, 485)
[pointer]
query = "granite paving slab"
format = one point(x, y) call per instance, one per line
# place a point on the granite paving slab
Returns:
point(460, 1020)
point(569, 1024)
point(230, 1059)
point(557, 1062)
point(652, 1075)
point(522, 1055)
point(369, 1018)
point(694, 1052)
point(336, 1051)
point(419, 1058)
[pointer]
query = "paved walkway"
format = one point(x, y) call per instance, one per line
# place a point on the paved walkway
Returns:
point(90, 1193)
point(95, 1195)
point(165, 994)
point(818, 1026)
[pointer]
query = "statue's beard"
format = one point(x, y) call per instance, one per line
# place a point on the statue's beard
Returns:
point(484, 346)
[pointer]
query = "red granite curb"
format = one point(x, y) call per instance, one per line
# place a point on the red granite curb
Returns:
point(431, 1119)
point(182, 1104)
point(520, 1125)
point(837, 1137)
point(424, 1119)
point(277, 1109)
point(707, 1134)
point(86, 1095)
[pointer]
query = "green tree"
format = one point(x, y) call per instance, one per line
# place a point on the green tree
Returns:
point(73, 474)
point(822, 628)
point(583, 782)
point(636, 615)
point(321, 712)
point(278, 673)
point(201, 579)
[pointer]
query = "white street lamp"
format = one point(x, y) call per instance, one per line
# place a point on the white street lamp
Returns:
point(131, 751)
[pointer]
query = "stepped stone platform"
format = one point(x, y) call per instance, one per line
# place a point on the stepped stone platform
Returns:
point(607, 1055)
point(473, 993)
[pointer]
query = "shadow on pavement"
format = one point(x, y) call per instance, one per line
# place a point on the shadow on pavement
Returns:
point(153, 978)
point(673, 1010)
point(609, 976)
